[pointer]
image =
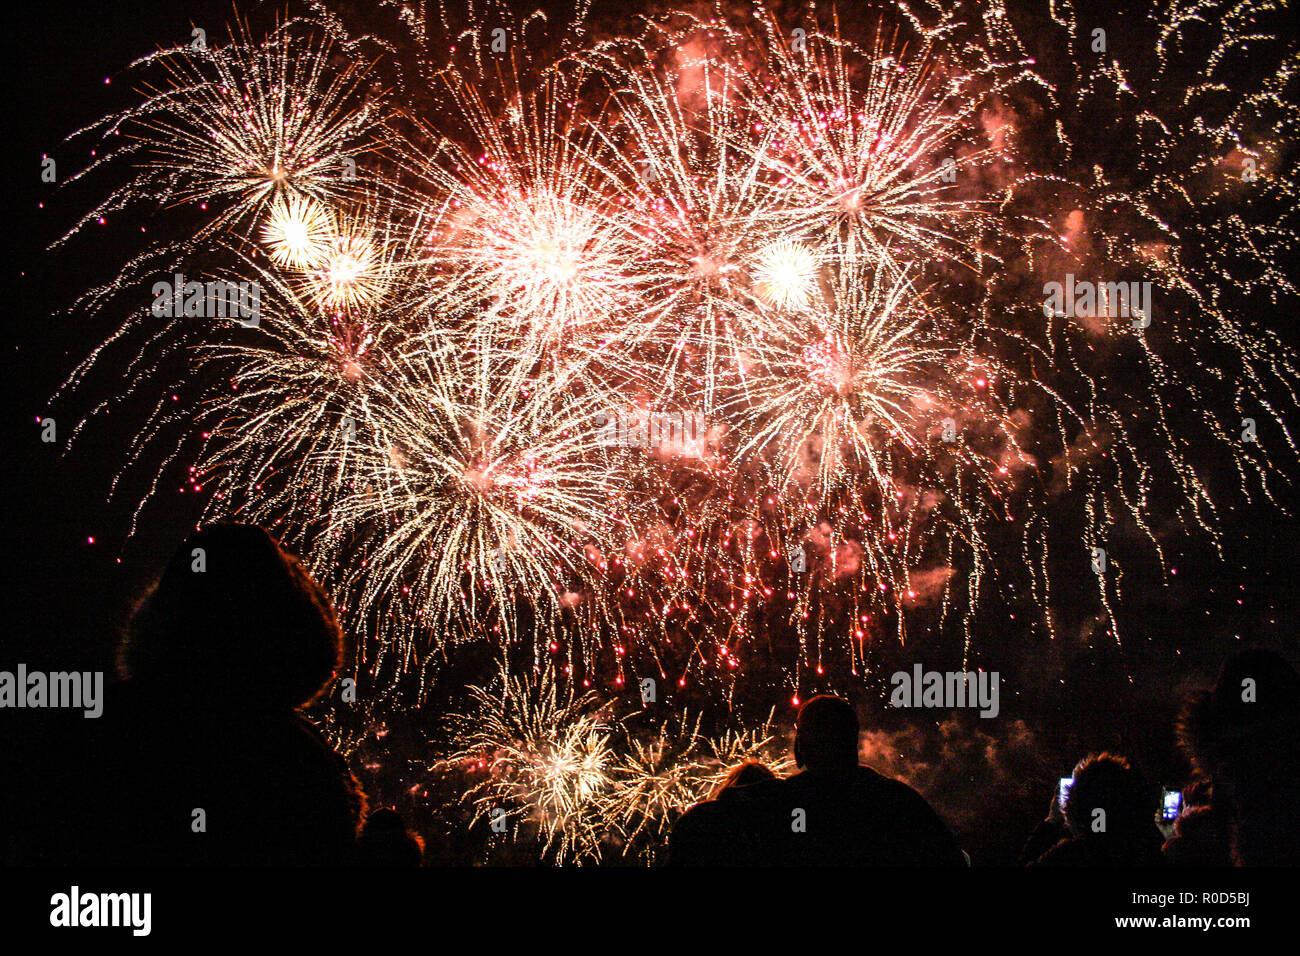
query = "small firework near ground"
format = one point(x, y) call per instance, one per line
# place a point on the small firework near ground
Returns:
point(629, 376)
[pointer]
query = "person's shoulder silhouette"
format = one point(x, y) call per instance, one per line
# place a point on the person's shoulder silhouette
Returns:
point(721, 831)
point(1110, 817)
point(202, 755)
point(386, 842)
point(835, 812)
point(1244, 736)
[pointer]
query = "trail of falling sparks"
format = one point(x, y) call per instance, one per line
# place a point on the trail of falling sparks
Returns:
point(549, 764)
point(485, 291)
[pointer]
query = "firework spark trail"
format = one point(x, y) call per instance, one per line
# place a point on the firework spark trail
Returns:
point(854, 412)
point(532, 248)
point(654, 780)
point(283, 402)
point(544, 754)
point(861, 150)
point(476, 498)
point(821, 246)
point(231, 132)
point(552, 764)
point(238, 125)
point(1170, 197)
point(696, 205)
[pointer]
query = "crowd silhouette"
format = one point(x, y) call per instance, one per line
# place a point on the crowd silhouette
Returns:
point(205, 734)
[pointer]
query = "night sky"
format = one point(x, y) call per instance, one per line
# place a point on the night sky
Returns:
point(74, 572)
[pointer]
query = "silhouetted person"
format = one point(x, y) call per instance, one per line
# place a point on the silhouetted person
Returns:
point(835, 812)
point(201, 756)
point(1050, 831)
point(720, 831)
point(1109, 816)
point(742, 775)
point(1244, 735)
point(385, 841)
point(1201, 837)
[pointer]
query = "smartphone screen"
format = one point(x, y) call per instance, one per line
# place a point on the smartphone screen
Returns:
point(1172, 805)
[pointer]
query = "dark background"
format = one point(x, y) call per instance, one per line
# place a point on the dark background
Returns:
point(67, 596)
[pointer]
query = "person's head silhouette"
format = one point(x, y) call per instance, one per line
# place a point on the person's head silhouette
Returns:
point(385, 841)
point(234, 617)
point(1244, 735)
point(744, 775)
point(1255, 687)
point(826, 735)
point(1109, 798)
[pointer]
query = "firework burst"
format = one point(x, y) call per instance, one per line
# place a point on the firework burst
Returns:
point(817, 247)
point(653, 781)
point(543, 756)
point(232, 129)
point(859, 151)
